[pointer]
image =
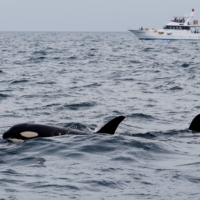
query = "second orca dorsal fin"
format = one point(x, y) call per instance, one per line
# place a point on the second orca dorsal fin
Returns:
point(195, 124)
point(111, 126)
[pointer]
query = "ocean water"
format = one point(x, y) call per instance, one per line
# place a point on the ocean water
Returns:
point(82, 80)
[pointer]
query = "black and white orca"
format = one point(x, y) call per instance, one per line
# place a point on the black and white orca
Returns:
point(21, 132)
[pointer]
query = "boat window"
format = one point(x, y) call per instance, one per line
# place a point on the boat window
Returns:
point(185, 27)
point(195, 29)
point(167, 27)
point(198, 28)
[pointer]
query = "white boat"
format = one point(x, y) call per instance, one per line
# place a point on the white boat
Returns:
point(180, 28)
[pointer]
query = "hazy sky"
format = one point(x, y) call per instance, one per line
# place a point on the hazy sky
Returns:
point(90, 15)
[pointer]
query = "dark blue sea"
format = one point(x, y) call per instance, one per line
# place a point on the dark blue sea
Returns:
point(82, 80)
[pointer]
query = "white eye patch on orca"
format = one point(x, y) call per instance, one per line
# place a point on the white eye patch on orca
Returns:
point(29, 134)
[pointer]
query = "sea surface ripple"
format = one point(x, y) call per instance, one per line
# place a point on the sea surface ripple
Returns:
point(82, 80)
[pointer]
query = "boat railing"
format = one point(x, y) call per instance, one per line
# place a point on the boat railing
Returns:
point(178, 20)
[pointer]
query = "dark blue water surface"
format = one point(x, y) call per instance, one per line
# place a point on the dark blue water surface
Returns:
point(82, 80)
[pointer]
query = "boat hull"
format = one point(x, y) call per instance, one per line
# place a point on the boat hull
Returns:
point(165, 35)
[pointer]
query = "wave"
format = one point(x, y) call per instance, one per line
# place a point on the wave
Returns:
point(78, 106)
point(154, 135)
point(3, 96)
point(141, 116)
point(176, 88)
point(20, 81)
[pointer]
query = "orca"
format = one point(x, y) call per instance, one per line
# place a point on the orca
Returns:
point(195, 124)
point(25, 131)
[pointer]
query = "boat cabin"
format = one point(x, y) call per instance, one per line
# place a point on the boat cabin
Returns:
point(193, 29)
point(177, 27)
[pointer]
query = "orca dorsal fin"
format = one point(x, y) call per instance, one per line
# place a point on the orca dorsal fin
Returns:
point(195, 124)
point(111, 126)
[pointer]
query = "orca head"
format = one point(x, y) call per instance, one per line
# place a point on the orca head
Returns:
point(19, 132)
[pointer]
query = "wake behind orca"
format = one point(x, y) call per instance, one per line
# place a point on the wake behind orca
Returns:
point(21, 132)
